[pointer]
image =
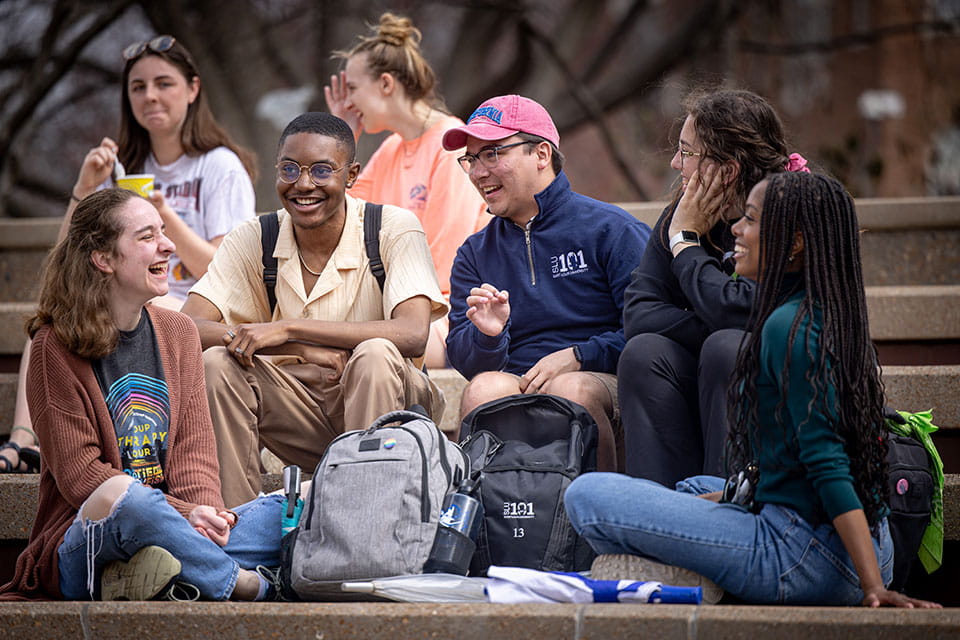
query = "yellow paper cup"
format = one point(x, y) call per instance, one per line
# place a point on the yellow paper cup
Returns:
point(141, 183)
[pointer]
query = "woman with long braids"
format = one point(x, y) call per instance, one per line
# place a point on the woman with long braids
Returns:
point(803, 519)
point(684, 314)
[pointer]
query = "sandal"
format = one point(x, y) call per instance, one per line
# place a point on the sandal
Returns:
point(27, 455)
point(5, 465)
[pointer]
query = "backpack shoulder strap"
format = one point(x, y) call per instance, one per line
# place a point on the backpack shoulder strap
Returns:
point(372, 215)
point(269, 230)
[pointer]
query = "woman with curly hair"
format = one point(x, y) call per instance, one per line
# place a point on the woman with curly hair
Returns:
point(684, 314)
point(803, 518)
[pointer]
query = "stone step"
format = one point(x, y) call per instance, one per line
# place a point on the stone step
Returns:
point(897, 313)
point(12, 317)
point(402, 621)
point(18, 503)
point(933, 387)
point(909, 388)
point(23, 246)
point(917, 312)
point(896, 246)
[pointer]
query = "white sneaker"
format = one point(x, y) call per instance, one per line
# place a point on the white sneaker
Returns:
point(627, 567)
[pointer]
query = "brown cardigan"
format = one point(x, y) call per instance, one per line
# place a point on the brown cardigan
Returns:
point(79, 443)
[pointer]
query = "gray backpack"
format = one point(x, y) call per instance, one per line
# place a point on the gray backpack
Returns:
point(373, 508)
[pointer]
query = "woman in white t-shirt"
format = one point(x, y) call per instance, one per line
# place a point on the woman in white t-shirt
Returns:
point(202, 178)
point(203, 183)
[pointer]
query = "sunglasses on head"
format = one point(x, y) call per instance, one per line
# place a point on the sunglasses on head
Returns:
point(160, 44)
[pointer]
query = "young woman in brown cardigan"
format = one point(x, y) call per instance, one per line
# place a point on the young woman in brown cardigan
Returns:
point(130, 504)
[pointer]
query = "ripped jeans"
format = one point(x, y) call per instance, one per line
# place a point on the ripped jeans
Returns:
point(774, 556)
point(142, 517)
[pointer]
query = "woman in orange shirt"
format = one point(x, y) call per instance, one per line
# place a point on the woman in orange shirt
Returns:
point(387, 85)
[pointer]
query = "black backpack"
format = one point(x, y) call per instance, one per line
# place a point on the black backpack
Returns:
point(911, 495)
point(528, 448)
point(270, 228)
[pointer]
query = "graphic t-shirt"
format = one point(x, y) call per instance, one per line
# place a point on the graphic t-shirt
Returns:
point(135, 390)
point(211, 192)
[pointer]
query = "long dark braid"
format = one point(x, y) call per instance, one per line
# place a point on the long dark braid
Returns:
point(821, 210)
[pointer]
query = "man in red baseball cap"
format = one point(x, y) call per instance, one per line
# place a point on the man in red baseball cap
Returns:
point(537, 295)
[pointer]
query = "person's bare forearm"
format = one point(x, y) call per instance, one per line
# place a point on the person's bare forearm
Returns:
point(409, 338)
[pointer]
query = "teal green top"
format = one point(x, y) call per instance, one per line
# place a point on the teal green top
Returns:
point(802, 461)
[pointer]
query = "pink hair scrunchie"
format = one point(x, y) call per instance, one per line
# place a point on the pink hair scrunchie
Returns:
point(796, 162)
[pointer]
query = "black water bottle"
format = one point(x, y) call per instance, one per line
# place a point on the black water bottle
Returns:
point(456, 538)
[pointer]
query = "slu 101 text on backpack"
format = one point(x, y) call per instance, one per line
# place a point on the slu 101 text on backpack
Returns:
point(528, 449)
point(373, 506)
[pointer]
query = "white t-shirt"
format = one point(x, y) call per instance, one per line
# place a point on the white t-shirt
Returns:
point(211, 192)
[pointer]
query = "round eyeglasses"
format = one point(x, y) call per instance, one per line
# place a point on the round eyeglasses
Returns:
point(488, 157)
point(320, 172)
point(160, 44)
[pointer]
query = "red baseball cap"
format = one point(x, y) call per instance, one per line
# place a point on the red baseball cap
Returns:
point(502, 117)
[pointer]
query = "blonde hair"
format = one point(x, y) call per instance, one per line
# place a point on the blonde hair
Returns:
point(395, 49)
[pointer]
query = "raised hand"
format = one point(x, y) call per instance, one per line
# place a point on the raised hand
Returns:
point(96, 168)
point(336, 95)
point(488, 309)
point(699, 208)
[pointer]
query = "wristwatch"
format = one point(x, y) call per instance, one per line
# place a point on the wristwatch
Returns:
point(684, 236)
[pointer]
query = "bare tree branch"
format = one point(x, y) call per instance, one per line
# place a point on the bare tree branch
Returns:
point(615, 40)
point(633, 81)
point(587, 102)
point(47, 71)
point(848, 40)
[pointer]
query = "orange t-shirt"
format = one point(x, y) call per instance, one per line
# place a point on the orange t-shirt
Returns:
point(420, 176)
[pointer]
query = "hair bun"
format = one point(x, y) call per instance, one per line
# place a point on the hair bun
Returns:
point(397, 30)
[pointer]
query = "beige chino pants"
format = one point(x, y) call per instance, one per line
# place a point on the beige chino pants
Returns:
point(295, 411)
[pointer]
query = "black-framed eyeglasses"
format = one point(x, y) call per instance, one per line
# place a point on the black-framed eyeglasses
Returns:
point(319, 172)
point(488, 157)
point(160, 44)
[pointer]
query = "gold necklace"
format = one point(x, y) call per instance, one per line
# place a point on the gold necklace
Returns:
point(309, 270)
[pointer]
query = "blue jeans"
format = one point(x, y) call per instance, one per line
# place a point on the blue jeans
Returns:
point(142, 517)
point(771, 557)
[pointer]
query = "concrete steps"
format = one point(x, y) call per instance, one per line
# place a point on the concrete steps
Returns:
point(898, 244)
point(18, 503)
point(896, 313)
point(913, 297)
point(909, 388)
point(397, 621)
